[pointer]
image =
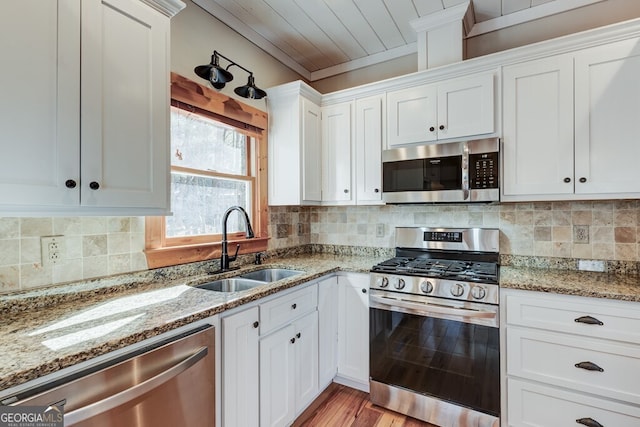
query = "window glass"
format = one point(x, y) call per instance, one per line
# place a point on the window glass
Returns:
point(209, 175)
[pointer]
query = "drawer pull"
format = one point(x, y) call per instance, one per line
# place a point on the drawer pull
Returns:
point(294, 306)
point(589, 320)
point(589, 422)
point(589, 366)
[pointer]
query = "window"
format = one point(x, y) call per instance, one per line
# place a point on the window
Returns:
point(217, 161)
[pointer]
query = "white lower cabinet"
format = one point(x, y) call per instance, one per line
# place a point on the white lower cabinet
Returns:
point(240, 368)
point(270, 354)
point(571, 360)
point(327, 331)
point(353, 330)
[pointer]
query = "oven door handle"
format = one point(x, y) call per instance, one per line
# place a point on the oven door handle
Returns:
point(429, 309)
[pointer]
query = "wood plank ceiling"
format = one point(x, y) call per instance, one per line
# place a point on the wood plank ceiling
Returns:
point(321, 38)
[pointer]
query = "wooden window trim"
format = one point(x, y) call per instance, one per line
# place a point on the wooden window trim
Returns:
point(162, 252)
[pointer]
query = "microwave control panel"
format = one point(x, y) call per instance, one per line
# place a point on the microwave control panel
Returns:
point(483, 170)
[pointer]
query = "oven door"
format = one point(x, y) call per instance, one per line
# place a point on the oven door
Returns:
point(444, 349)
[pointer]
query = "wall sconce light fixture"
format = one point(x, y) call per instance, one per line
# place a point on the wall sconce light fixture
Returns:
point(219, 77)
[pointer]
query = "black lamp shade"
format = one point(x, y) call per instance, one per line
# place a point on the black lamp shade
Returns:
point(250, 90)
point(215, 74)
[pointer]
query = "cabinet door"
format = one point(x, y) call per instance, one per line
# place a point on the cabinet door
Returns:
point(240, 369)
point(607, 113)
point(411, 115)
point(353, 327)
point(466, 107)
point(327, 330)
point(311, 152)
point(538, 127)
point(125, 98)
point(336, 153)
point(40, 110)
point(368, 149)
point(277, 381)
point(306, 357)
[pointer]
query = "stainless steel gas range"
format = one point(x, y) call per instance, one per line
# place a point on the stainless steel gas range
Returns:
point(434, 338)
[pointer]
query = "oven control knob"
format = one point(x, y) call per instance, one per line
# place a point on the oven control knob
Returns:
point(382, 282)
point(426, 287)
point(457, 290)
point(398, 283)
point(478, 292)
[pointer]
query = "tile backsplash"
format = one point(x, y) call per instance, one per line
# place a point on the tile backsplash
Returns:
point(102, 246)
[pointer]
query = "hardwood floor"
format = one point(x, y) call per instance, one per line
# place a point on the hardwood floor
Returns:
point(341, 406)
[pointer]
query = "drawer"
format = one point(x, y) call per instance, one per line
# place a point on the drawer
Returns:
point(281, 311)
point(614, 320)
point(538, 405)
point(552, 357)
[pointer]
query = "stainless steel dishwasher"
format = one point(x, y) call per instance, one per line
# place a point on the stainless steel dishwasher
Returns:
point(170, 383)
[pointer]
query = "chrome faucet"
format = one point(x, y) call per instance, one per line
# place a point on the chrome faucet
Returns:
point(225, 259)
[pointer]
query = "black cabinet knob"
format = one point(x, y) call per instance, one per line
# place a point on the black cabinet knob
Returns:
point(256, 324)
point(441, 127)
point(567, 179)
point(346, 191)
point(70, 183)
point(583, 179)
point(293, 306)
point(376, 190)
point(94, 185)
point(431, 129)
point(364, 291)
point(298, 335)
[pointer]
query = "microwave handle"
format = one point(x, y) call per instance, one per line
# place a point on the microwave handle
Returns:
point(465, 171)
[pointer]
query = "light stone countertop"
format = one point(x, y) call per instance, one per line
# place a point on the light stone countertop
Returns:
point(41, 339)
point(43, 331)
point(624, 287)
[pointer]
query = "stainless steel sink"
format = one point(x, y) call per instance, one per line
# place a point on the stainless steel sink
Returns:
point(232, 284)
point(270, 274)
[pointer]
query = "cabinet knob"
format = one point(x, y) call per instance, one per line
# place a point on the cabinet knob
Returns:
point(293, 340)
point(376, 190)
point(567, 179)
point(346, 191)
point(583, 180)
point(431, 129)
point(589, 422)
point(256, 324)
point(364, 291)
point(441, 127)
point(94, 185)
point(70, 183)
point(293, 306)
point(298, 335)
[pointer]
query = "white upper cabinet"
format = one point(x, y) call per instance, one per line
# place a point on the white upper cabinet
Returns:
point(369, 138)
point(337, 153)
point(607, 114)
point(449, 109)
point(295, 145)
point(85, 111)
point(571, 125)
point(40, 110)
point(538, 127)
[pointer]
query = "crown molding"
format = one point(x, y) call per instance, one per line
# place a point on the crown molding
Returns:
point(166, 7)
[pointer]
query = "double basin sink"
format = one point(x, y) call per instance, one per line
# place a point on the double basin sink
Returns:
point(249, 280)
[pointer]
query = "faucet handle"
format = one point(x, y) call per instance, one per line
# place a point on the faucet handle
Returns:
point(260, 256)
point(235, 255)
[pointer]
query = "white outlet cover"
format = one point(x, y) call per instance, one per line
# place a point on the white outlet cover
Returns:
point(53, 249)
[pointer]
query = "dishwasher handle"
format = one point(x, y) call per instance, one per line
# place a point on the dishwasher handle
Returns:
point(134, 392)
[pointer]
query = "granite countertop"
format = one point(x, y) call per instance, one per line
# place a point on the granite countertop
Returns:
point(38, 339)
point(624, 287)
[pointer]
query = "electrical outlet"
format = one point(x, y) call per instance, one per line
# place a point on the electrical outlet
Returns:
point(580, 234)
point(52, 249)
point(379, 230)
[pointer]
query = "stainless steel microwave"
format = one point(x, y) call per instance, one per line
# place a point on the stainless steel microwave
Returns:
point(465, 171)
